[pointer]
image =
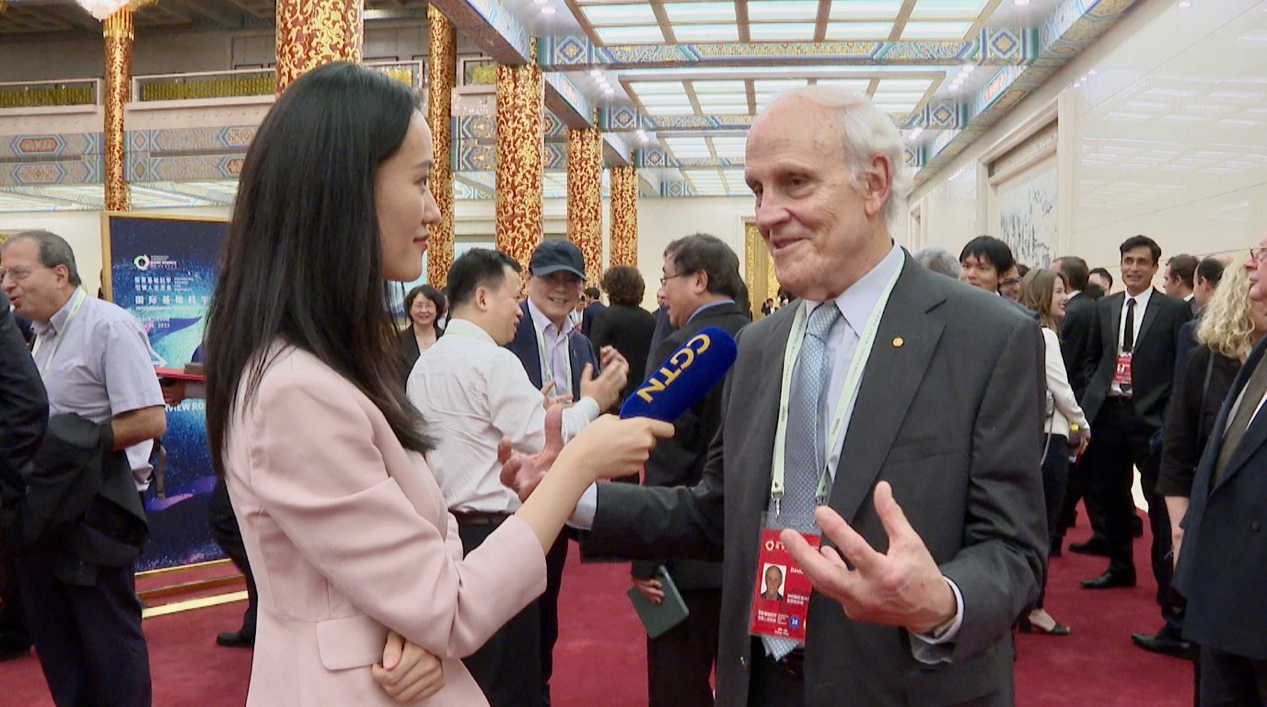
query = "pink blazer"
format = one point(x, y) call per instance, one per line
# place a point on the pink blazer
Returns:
point(348, 534)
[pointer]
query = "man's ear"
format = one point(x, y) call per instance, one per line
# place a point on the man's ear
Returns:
point(877, 184)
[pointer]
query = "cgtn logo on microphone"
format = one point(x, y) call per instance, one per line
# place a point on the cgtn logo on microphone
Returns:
point(672, 368)
point(146, 263)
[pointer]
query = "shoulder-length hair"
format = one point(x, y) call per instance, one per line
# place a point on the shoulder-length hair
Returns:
point(1036, 294)
point(303, 263)
point(1227, 325)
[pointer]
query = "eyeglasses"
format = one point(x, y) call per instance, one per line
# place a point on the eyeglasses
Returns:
point(15, 274)
point(664, 280)
point(1257, 254)
point(1011, 282)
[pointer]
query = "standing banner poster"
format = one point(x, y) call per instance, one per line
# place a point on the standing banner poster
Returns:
point(162, 270)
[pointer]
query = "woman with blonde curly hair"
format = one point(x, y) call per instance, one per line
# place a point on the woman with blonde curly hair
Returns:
point(1230, 326)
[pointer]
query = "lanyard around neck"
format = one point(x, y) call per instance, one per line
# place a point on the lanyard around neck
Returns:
point(79, 297)
point(547, 362)
point(848, 393)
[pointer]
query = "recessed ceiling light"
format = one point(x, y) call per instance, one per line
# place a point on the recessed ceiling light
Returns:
point(596, 72)
point(547, 10)
point(969, 68)
point(608, 91)
point(1022, 2)
point(541, 2)
point(1185, 3)
point(1092, 72)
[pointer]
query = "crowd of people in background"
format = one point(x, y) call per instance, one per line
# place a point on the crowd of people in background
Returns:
point(405, 536)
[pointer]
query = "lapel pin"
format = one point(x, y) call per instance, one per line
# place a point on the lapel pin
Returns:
point(897, 342)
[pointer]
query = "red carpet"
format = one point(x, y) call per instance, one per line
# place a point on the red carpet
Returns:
point(600, 658)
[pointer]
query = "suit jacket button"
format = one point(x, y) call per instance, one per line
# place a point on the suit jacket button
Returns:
point(1255, 526)
point(743, 662)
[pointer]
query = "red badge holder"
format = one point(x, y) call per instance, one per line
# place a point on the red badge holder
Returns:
point(780, 601)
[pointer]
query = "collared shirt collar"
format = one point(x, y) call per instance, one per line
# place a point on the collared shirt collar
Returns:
point(858, 301)
point(545, 326)
point(705, 306)
point(471, 330)
point(58, 320)
point(1141, 300)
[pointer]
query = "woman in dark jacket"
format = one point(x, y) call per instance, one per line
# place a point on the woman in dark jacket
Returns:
point(625, 325)
point(425, 306)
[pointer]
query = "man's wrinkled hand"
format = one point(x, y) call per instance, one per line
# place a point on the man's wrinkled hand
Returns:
point(901, 587)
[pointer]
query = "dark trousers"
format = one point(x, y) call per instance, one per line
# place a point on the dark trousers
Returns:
point(548, 605)
point(1055, 477)
point(1228, 680)
point(89, 639)
point(771, 683)
point(13, 633)
point(680, 661)
point(227, 534)
point(506, 667)
point(1080, 488)
point(1121, 442)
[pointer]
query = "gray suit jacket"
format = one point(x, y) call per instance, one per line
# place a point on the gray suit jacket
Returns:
point(947, 417)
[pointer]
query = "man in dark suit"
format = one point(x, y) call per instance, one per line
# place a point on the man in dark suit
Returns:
point(1179, 279)
point(553, 351)
point(593, 299)
point(25, 406)
point(946, 419)
point(1075, 331)
point(1209, 273)
point(700, 283)
point(1222, 563)
point(1130, 367)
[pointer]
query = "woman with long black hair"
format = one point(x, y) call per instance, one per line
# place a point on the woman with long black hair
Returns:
point(307, 417)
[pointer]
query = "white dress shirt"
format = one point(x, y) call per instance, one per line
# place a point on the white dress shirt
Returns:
point(555, 356)
point(1141, 305)
point(471, 393)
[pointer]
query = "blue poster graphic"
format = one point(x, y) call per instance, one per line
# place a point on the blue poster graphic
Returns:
point(162, 271)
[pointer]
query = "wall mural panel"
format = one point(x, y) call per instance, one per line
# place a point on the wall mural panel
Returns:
point(1027, 214)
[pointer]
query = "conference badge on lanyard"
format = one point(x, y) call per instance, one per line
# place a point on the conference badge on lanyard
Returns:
point(780, 601)
point(1122, 372)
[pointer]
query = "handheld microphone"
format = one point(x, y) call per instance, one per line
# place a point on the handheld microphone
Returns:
point(685, 376)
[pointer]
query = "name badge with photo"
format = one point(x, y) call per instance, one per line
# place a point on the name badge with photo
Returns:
point(780, 599)
point(1122, 372)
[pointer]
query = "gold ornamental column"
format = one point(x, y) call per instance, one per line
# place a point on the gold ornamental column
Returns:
point(520, 141)
point(315, 32)
point(442, 62)
point(118, 32)
point(585, 198)
point(624, 215)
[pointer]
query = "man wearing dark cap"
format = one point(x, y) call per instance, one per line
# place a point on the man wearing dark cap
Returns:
point(553, 352)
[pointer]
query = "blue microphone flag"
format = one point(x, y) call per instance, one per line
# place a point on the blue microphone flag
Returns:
point(685, 376)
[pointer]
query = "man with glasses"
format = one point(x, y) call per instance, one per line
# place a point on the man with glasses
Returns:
point(95, 361)
point(700, 284)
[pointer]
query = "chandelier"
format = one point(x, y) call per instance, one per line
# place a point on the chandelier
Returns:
point(101, 9)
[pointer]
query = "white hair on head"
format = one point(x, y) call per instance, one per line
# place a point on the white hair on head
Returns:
point(865, 131)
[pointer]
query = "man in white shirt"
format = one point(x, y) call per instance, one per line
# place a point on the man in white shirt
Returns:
point(1131, 363)
point(473, 393)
